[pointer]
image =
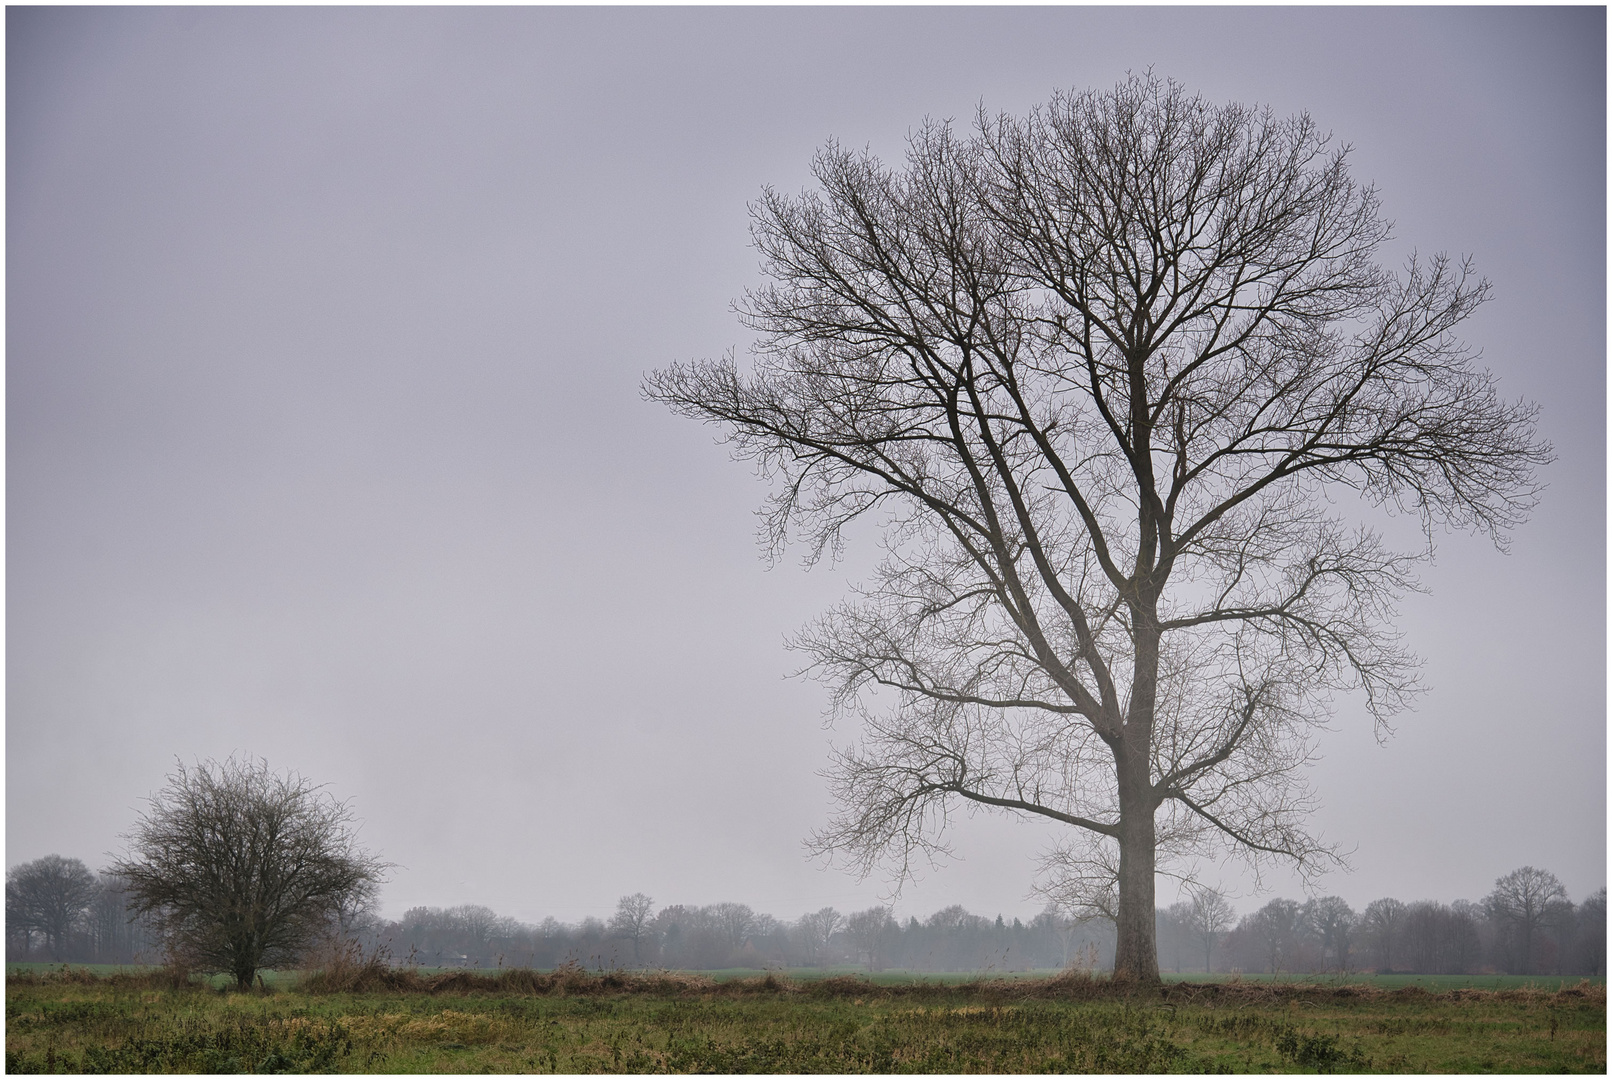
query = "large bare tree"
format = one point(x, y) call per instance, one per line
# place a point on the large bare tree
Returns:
point(241, 868)
point(1101, 374)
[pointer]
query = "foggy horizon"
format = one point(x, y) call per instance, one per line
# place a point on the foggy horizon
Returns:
point(326, 444)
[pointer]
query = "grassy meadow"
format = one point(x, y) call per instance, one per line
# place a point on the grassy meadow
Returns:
point(571, 1021)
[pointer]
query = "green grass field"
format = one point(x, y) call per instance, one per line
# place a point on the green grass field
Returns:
point(573, 1021)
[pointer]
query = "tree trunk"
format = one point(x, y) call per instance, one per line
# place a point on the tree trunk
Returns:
point(1136, 956)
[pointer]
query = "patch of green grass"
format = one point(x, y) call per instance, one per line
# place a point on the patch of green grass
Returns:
point(23, 967)
point(581, 1023)
point(277, 979)
point(888, 977)
point(1394, 982)
point(903, 977)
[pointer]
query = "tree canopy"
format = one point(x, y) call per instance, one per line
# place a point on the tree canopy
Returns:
point(1095, 372)
point(242, 868)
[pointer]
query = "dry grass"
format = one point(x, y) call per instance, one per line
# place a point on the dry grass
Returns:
point(346, 974)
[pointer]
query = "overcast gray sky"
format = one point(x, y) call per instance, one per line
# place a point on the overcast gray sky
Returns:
point(324, 335)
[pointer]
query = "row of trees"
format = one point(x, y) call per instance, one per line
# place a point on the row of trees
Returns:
point(735, 935)
point(57, 909)
point(236, 867)
point(1526, 926)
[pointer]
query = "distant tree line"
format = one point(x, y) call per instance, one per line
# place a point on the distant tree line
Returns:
point(730, 934)
point(58, 910)
point(1526, 926)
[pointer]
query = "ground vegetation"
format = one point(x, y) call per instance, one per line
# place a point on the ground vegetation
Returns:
point(574, 1022)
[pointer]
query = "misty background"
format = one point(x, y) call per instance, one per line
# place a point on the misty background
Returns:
point(324, 335)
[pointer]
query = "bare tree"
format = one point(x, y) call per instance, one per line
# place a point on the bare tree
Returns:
point(479, 925)
point(119, 936)
point(1384, 922)
point(1333, 921)
point(49, 897)
point(632, 921)
point(1211, 916)
point(242, 868)
point(1520, 903)
point(733, 922)
point(1437, 939)
point(870, 933)
point(816, 928)
point(1591, 938)
point(1095, 371)
point(1174, 929)
point(1275, 929)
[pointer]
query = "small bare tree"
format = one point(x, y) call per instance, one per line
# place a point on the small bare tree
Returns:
point(1211, 916)
point(1096, 372)
point(241, 868)
point(632, 920)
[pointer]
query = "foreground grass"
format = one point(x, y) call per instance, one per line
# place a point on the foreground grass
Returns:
point(574, 1022)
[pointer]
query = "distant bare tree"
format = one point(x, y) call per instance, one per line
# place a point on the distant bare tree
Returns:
point(119, 936)
point(1211, 916)
point(49, 896)
point(952, 919)
point(242, 868)
point(1064, 928)
point(632, 920)
point(1097, 371)
point(733, 921)
point(1175, 932)
point(1333, 921)
point(869, 932)
point(1519, 903)
point(1561, 929)
point(815, 929)
point(478, 923)
point(1437, 939)
point(1383, 922)
point(1591, 939)
point(1275, 928)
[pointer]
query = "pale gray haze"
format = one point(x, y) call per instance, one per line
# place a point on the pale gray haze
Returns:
point(325, 330)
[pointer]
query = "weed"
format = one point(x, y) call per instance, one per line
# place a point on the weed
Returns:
point(1324, 1052)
